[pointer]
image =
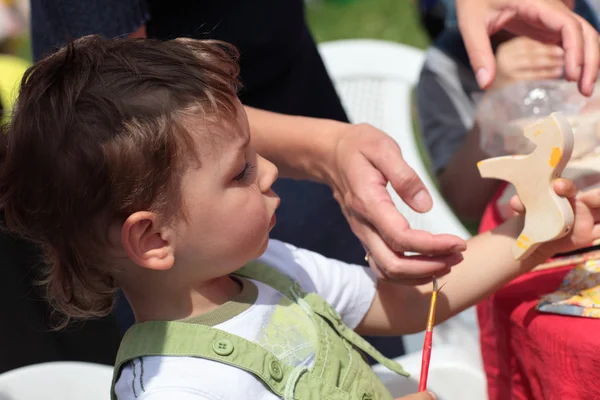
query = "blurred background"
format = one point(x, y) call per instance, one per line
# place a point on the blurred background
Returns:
point(329, 19)
point(392, 20)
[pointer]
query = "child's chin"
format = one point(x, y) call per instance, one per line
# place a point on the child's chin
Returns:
point(264, 246)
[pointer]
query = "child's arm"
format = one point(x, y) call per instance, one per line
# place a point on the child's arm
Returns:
point(488, 264)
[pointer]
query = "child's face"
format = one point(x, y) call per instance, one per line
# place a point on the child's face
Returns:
point(228, 203)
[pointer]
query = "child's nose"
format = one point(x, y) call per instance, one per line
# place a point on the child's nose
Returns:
point(268, 174)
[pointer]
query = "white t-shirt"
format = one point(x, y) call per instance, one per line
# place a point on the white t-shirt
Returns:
point(264, 316)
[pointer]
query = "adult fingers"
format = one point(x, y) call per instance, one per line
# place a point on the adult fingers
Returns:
point(392, 265)
point(477, 42)
point(402, 177)
point(591, 58)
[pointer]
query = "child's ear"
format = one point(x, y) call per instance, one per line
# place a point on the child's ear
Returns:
point(146, 241)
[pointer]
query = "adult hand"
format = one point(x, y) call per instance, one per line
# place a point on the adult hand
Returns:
point(549, 21)
point(365, 159)
point(521, 58)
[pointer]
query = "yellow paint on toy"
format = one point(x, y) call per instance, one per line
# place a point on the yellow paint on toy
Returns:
point(524, 238)
point(555, 157)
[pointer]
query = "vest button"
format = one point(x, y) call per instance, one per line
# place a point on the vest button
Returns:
point(223, 347)
point(275, 370)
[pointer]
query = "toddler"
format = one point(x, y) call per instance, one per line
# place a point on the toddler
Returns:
point(130, 162)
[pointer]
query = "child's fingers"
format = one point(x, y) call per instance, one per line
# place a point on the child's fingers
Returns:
point(565, 187)
point(541, 73)
point(517, 205)
point(590, 198)
point(541, 61)
point(419, 396)
point(596, 232)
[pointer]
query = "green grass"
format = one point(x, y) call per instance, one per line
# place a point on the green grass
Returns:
point(394, 20)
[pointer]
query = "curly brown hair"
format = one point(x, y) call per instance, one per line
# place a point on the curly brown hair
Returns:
point(98, 133)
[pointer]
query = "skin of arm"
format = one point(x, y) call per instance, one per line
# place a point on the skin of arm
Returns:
point(488, 264)
point(299, 146)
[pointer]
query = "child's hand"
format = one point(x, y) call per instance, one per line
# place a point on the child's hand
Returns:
point(586, 226)
point(418, 396)
point(522, 59)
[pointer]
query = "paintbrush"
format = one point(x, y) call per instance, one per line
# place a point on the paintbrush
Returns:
point(428, 337)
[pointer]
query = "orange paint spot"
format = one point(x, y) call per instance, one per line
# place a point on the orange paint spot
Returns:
point(522, 245)
point(538, 132)
point(555, 157)
point(479, 164)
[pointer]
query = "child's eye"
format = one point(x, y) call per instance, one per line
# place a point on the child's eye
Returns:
point(245, 173)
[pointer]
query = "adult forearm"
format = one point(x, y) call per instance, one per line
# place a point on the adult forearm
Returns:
point(301, 147)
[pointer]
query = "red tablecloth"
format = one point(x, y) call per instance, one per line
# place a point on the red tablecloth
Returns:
point(532, 355)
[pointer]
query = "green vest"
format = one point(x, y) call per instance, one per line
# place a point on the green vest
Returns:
point(339, 370)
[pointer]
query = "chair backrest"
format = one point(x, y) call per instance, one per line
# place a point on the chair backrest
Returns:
point(57, 381)
point(374, 80)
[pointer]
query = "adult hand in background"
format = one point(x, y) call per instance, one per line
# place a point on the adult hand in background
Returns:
point(549, 21)
point(523, 59)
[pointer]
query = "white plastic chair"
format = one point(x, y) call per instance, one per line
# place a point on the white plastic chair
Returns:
point(374, 80)
point(57, 381)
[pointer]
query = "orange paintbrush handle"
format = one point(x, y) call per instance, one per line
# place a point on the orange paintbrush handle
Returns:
point(428, 339)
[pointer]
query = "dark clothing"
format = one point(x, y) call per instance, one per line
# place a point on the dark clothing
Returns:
point(25, 333)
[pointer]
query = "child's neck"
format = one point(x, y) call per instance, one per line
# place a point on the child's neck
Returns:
point(165, 302)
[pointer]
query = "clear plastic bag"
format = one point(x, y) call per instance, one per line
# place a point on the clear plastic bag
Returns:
point(502, 115)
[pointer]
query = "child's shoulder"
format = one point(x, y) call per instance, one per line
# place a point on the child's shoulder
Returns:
point(348, 288)
point(159, 378)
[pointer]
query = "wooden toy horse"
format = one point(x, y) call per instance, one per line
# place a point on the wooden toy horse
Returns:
point(547, 215)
